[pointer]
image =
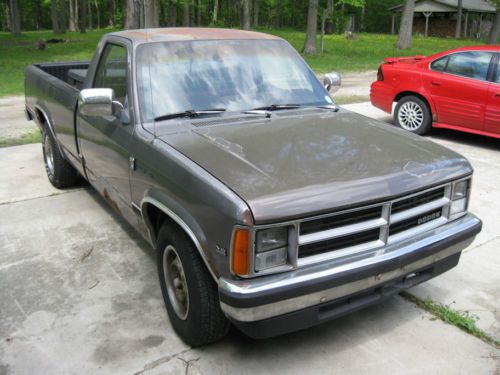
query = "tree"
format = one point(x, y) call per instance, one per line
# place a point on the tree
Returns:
point(38, 11)
point(406, 29)
point(15, 19)
point(216, 8)
point(495, 27)
point(172, 13)
point(329, 20)
point(246, 14)
point(151, 13)
point(83, 16)
point(256, 13)
point(185, 16)
point(62, 6)
point(312, 28)
point(132, 14)
point(198, 12)
point(277, 20)
point(111, 13)
point(53, 16)
point(73, 15)
point(458, 29)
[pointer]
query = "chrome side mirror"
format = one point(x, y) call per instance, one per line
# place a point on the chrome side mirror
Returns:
point(332, 81)
point(98, 102)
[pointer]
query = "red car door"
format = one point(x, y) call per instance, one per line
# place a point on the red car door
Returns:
point(458, 87)
point(492, 115)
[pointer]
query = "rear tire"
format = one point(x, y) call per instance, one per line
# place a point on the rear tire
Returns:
point(190, 294)
point(60, 172)
point(413, 114)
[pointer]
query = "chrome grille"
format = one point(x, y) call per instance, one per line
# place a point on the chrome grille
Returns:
point(367, 228)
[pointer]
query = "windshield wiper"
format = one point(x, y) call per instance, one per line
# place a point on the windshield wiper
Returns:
point(277, 107)
point(189, 113)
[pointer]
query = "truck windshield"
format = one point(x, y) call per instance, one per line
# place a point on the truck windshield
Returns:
point(236, 75)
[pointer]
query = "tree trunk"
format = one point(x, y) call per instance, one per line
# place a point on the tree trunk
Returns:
point(312, 28)
point(185, 15)
point(98, 14)
point(91, 21)
point(132, 14)
point(239, 13)
point(277, 20)
point(256, 13)
point(152, 11)
point(53, 17)
point(83, 16)
point(246, 14)
point(15, 19)
point(172, 13)
point(406, 28)
point(198, 12)
point(216, 9)
point(72, 23)
point(329, 20)
point(111, 13)
point(495, 28)
point(62, 5)
point(324, 17)
point(36, 20)
point(458, 29)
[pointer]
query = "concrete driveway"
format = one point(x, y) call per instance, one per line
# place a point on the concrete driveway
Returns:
point(79, 293)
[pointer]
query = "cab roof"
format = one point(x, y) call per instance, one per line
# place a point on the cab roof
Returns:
point(170, 34)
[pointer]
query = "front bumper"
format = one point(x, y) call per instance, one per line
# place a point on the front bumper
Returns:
point(277, 304)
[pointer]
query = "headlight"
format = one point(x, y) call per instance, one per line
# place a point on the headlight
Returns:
point(271, 248)
point(459, 199)
point(273, 238)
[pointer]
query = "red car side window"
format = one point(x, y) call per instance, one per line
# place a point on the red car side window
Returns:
point(472, 64)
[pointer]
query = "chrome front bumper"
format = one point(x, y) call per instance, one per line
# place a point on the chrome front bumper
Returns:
point(253, 300)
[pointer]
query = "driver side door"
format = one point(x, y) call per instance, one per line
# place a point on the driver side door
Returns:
point(104, 141)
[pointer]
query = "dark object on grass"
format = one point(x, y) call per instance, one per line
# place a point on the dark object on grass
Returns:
point(41, 45)
point(55, 40)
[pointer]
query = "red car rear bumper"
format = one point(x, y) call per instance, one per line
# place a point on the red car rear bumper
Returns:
point(382, 96)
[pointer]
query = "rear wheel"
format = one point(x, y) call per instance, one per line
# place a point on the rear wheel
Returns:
point(60, 172)
point(413, 114)
point(191, 296)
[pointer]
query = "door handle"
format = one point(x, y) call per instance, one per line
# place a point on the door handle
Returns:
point(434, 83)
point(497, 94)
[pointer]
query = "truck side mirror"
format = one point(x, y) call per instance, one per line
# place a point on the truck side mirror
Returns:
point(332, 81)
point(98, 102)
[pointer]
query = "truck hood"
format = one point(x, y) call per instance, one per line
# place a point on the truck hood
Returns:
point(295, 166)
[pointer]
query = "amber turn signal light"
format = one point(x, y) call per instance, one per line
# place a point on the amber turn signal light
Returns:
point(240, 260)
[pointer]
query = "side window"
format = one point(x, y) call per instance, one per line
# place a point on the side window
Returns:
point(470, 64)
point(112, 71)
point(440, 64)
point(496, 78)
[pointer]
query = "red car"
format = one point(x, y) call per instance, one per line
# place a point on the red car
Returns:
point(457, 89)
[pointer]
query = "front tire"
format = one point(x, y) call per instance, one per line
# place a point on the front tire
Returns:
point(60, 172)
point(413, 115)
point(191, 296)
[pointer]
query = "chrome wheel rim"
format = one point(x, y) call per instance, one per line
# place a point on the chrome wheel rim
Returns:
point(49, 155)
point(175, 281)
point(411, 116)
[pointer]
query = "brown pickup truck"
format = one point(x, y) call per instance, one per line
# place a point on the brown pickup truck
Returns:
point(269, 206)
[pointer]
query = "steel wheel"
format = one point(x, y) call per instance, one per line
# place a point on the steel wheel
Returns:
point(411, 116)
point(175, 281)
point(49, 155)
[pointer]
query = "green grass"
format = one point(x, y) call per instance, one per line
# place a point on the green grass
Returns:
point(351, 99)
point(34, 136)
point(364, 53)
point(461, 319)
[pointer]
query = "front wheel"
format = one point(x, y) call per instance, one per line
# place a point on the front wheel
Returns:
point(191, 296)
point(413, 114)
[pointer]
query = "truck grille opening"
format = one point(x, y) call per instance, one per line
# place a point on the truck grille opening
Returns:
point(339, 243)
point(358, 230)
point(418, 200)
point(340, 220)
point(414, 221)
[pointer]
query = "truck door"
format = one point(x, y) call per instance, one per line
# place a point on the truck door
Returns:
point(104, 142)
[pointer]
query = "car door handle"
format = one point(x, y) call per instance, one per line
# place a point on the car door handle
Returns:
point(434, 83)
point(497, 94)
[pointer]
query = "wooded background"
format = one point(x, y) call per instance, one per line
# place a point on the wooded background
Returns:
point(73, 15)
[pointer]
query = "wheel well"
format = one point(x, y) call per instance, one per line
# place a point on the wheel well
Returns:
point(401, 95)
point(155, 219)
point(40, 117)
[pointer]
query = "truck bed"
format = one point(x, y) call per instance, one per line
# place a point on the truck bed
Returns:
point(52, 89)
